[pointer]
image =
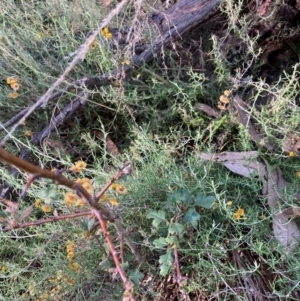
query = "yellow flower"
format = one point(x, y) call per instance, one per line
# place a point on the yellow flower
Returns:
point(121, 189)
point(28, 133)
point(298, 174)
point(70, 198)
point(37, 203)
point(74, 266)
point(11, 80)
point(46, 208)
point(103, 198)
point(78, 166)
point(186, 176)
point(229, 203)
point(109, 35)
point(83, 181)
point(221, 106)
point(51, 279)
point(13, 95)
point(239, 214)
point(292, 154)
point(88, 187)
point(4, 269)
point(31, 290)
point(226, 93)
point(71, 281)
point(59, 274)
point(224, 99)
point(70, 255)
point(114, 202)
point(114, 186)
point(70, 245)
point(80, 203)
point(126, 62)
point(105, 32)
point(15, 86)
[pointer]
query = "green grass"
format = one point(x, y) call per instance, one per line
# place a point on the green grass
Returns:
point(216, 251)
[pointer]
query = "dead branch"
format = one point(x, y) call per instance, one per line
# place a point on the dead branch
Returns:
point(83, 50)
point(50, 219)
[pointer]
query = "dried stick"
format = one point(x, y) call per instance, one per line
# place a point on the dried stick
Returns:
point(173, 23)
point(47, 220)
point(179, 277)
point(83, 50)
point(63, 115)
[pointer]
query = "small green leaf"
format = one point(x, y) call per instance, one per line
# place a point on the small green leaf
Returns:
point(180, 196)
point(192, 216)
point(158, 217)
point(106, 264)
point(48, 194)
point(164, 270)
point(166, 262)
point(90, 223)
point(199, 198)
point(160, 242)
point(3, 214)
point(208, 201)
point(176, 228)
point(136, 277)
point(204, 201)
point(171, 240)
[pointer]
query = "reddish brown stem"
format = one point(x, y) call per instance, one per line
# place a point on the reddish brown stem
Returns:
point(48, 220)
point(179, 277)
point(128, 285)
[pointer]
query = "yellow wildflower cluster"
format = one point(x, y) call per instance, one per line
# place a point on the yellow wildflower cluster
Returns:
point(70, 250)
point(239, 214)
point(105, 32)
point(118, 188)
point(31, 289)
point(78, 166)
point(44, 207)
point(74, 266)
point(43, 297)
point(60, 281)
point(13, 82)
point(224, 100)
point(71, 199)
point(70, 255)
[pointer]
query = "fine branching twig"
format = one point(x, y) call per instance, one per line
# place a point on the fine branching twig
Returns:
point(49, 219)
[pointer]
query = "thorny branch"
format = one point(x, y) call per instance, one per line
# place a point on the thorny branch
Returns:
point(102, 213)
point(50, 219)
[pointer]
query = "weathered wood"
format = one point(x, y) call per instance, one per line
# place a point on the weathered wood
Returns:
point(175, 22)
